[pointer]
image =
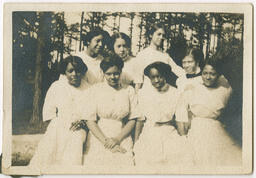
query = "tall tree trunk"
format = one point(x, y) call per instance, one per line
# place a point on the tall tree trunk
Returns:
point(36, 115)
point(119, 21)
point(81, 29)
point(131, 25)
point(208, 38)
point(140, 37)
point(234, 29)
point(62, 39)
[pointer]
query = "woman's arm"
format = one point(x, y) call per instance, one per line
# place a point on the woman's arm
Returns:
point(125, 131)
point(138, 128)
point(50, 106)
point(181, 128)
point(138, 86)
point(94, 128)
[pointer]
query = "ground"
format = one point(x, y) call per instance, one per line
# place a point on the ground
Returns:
point(25, 138)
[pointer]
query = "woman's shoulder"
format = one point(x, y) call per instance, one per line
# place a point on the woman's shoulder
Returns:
point(144, 51)
point(97, 86)
point(173, 91)
point(128, 88)
point(58, 84)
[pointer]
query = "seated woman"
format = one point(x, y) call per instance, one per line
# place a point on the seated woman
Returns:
point(62, 143)
point(110, 119)
point(212, 146)
point(159, 144)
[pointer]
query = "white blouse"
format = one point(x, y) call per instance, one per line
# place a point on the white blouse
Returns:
point(161, 107)
point(207, 102)
point(61, 99)
point(94, 73)
point(148, 56)
point(107, 103)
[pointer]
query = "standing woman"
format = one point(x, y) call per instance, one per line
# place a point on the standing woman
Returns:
point(159, 144)
point(191, 64)
point(63, 141)
point(212, 146)
point(110, 119)
point(152, 54)
point(95, 41)
point(120, 44)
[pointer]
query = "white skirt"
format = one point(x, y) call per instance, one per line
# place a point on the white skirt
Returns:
point(160, 146)
point(97, 157)
point(212, 146)
point(59, 146)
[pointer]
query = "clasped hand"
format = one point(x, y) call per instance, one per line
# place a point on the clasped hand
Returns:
point(114, 145)
point(77, 125)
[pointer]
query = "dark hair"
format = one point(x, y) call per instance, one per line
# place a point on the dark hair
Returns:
point(76, 62)
point(164, 70)
point(215, 63)
point(95, 32)
point(154, 28)
point(121, 35)
point(110, 60)
point(196, 53)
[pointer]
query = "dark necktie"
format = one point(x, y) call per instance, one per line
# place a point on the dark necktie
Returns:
point(193, 75)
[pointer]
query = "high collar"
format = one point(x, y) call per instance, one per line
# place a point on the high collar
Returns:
point(196, 74)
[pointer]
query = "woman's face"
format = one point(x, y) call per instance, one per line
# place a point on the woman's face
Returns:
point(189, 64)
point(156, 79)
point(158, 37)
point(96, 44)
point(120, 48)
point(74, 77)
point(209, 76)
point(112, 76)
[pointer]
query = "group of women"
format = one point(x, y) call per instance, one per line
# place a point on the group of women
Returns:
point(110, 109)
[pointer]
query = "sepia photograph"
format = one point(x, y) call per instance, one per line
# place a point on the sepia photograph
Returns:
point(127, 89)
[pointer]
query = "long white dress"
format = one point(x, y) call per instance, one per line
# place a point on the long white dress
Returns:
point(161, 145)
point(110, 107)
point(212, 146)
point(148, 56)
point(60, 145)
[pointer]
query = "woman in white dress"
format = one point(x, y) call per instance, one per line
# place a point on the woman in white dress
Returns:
point(191, 63)
point(110, 119)
point(95, 41)
point(153, 53)
point(212, 146)
point(62, 144)
point(121, 45)
point(159, 144)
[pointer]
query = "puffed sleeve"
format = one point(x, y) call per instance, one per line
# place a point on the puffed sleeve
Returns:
point(133, 99)
point(141, 105)
point(181, 112)
point(227, 95)
point(50, 102)
point(88, 108)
